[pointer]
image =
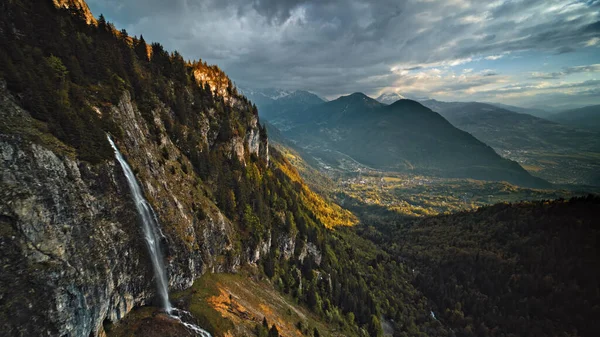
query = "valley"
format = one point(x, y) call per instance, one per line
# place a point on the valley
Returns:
point(355, 186)
point(396, 138)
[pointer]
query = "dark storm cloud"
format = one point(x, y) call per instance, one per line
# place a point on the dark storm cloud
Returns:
point(341, 46)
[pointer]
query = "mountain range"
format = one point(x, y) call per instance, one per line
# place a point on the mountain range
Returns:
point(585, 118)
point(554, 151)
point(273, 103)
point(404, 136)
point(537, 112)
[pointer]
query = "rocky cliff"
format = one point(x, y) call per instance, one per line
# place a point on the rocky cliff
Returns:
point(69, 250)
point(70, 244)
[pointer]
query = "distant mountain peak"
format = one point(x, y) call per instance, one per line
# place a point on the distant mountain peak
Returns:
point(272, 94)
point(272, 102)
point(389, 97)
point(358, 98)
point(408, 103)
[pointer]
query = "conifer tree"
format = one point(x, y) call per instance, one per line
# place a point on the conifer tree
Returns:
point(273, 332)
point(140, 49)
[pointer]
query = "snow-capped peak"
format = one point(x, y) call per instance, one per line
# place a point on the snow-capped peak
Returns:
point(389, 97)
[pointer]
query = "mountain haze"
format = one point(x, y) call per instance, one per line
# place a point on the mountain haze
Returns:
point(531, 111)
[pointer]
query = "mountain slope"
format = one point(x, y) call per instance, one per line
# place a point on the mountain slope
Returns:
point(288, 104)
point(585, 118)
point(403, 136)
point(553, 151)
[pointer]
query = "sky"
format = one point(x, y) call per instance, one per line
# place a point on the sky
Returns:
point(543, 53)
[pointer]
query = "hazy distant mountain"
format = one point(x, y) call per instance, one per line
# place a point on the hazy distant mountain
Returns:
point(272, 103)
point(390, 97)
point(531, 111)
point(263, 96)
point(553, 151)
point(587, 117)
point(403, 136)
point(295, 101)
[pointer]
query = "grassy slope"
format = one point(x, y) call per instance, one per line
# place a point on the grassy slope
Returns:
point(227, 305)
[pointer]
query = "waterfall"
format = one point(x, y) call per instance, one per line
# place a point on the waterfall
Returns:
point(150, 228)
point(151, 235)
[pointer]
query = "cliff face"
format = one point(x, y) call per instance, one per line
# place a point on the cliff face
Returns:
point(71, 245)
point(69, 250)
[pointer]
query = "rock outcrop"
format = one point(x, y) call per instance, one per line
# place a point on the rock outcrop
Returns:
point(79, 5)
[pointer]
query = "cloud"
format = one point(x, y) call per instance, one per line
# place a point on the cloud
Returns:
point(494, 57)
point(564, 50)
point(592, 68)
point(592, 42)
point(543, 87)
point(334, 47)
point(445, 83)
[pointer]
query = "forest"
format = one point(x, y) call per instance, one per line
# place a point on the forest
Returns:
point(523, 269)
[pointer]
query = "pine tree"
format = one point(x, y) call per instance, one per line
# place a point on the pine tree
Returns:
point(141, 50)
point(273, 332)
point(101, 22)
